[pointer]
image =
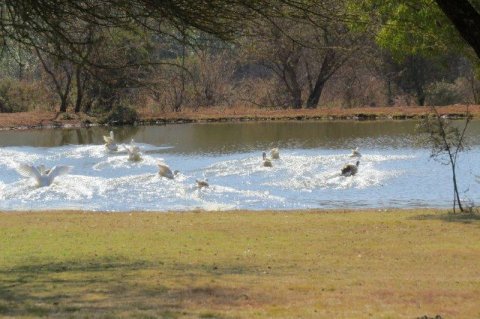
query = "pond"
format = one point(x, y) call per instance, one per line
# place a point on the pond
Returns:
point(394, 171)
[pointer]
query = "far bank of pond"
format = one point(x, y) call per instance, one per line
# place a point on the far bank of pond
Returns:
point(29, 120)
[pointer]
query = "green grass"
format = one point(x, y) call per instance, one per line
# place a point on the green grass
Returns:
point(395, 264)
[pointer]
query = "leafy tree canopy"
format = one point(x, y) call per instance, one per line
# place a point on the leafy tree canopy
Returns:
point(408, 27)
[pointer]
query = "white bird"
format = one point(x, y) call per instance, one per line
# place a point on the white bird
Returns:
point(202, 183)
point(134, 146)
point(109, 139)
point(43, 177)
point(110, 142)
point(275, 153)
point(42, 169)
point(165, 171)
point(133, 150)
point(355, 153)
point(266, 161)
point(350, 169)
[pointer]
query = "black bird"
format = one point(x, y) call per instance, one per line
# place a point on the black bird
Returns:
point(350, 169)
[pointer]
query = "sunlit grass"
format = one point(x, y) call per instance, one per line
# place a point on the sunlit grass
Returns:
point(395, 264)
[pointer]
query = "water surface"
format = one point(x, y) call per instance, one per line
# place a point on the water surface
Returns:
point(395, 171)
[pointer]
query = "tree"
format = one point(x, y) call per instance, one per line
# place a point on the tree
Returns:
point(465, 17)
point(57, 29)
point(447, 140)
point(36, 23)
point(420, 27)
point(124, 63)
point(304, 52)
point(416, 73)
point(60, 73)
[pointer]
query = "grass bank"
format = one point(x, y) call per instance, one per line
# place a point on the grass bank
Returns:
point(393, 264)
point(322, 113)
point(26, 120)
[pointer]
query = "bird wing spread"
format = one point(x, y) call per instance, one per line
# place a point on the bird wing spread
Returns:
point(28, 171)
point(58, 171)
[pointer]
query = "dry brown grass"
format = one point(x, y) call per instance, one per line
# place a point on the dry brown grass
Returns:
point(395, 264)
point(45, 119)
point(25, 120)
point(323, 113)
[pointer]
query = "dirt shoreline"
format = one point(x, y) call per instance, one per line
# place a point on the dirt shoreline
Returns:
point(35, 120)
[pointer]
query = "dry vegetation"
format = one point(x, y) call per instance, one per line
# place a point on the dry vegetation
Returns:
point(39, 119)
point(388, 264)
point(334, 113)
point(288, 62)
point(48, 119)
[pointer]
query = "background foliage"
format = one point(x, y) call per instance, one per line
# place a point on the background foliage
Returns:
point(91, 57)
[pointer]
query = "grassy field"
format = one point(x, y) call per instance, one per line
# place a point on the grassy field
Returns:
point(388, 264)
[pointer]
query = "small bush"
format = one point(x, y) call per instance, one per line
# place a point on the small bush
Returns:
point(68, 116)
point(442, 93)
point(18, 96)
point(119, 115)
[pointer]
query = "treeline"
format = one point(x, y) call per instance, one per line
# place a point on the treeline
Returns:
point(284, 57)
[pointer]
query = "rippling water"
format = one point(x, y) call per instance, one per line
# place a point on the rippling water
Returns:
point(393, 172)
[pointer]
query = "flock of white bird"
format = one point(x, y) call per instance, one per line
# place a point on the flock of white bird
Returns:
point(45, 177)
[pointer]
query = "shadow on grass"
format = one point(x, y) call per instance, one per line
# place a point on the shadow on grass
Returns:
point(111, 288)
point(465, 218)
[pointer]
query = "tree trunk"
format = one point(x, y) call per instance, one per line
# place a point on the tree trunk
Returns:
point(64, 104)
point(297, 99)
point(66, 92)
point(326, 70)
point(420, 96)
point(389, 93)
point(465, 19)
point(80, 83)
point(291, 82)
point(419, 81)
point(315, 95)
point(88, 106)
point(455, 189)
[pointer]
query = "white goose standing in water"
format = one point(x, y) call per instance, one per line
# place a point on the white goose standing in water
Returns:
point(275, 153)
point(133, 150)
point(110, 142)
point(355, 153)
point(165, 171)
point(42, 176)
point(350, 169)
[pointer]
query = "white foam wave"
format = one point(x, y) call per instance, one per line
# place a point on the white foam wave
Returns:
point(83, 151)
point(299, 179)
point(120, 160)
point(11, 158)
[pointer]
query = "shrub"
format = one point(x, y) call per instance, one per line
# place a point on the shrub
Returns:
point(120, 114)
point(18, 96)
point(442, 93)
